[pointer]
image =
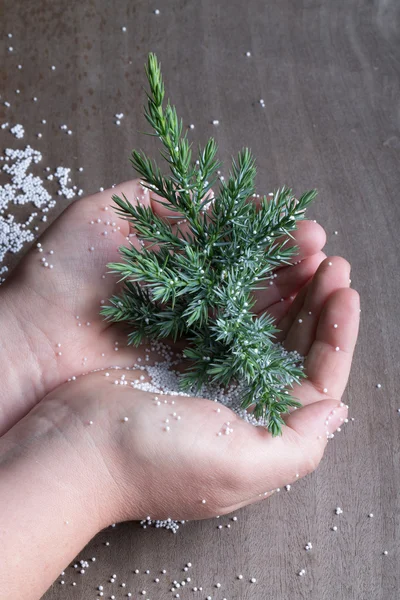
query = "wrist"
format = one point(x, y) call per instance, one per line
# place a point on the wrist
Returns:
point(22, 381)
point(55, 497)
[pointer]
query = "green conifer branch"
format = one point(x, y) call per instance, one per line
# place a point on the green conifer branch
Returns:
point(200, 284)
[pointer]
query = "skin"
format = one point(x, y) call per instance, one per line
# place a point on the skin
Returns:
point(39, 306)
point(94, 475)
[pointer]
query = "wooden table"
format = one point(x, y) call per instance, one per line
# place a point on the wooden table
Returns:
point(329, 75)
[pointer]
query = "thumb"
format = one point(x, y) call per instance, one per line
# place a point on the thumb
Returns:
point(313, 425)
point(270, 463)
point(305, 437)
point(317, 420)
point(158, 203)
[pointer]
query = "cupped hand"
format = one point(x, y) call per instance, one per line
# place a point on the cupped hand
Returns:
point(51, 326)
point(160, 465)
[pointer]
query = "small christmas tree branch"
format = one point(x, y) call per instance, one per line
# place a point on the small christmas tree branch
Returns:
point(199, 284)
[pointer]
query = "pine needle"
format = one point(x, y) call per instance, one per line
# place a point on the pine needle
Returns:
point(200, 285)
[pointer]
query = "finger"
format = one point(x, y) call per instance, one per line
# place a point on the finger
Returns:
point(103, 204)
point(287, 282)
point(135, 192)
point(329, 360)
point(179, 225)
point(310, 238)
point(286, 317)
point(332, 274)
point(288, 279)
point(158, 204)
point(317, 420)
point(265, 463)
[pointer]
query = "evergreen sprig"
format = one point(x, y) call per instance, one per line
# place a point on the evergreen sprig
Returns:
point(199, 283)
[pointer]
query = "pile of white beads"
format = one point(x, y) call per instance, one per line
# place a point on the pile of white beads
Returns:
point(164, 380)
point(162, 524)
point(13, 235)
point(23, 187)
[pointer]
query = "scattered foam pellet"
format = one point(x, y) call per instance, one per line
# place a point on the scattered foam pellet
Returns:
point(18, 131)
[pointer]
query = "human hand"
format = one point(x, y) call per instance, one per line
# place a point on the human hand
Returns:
point(92, 453)
point(168, 470)
point(40, 306)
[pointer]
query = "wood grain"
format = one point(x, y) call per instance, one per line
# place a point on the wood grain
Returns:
point(329, 75)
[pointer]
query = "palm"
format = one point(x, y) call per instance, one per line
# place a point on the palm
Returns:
point(48, 301)
point(167, 458)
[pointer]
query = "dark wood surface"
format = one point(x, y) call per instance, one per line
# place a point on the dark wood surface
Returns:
point(329, 75)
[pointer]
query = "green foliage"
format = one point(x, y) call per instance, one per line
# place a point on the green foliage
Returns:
point(199, 283)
